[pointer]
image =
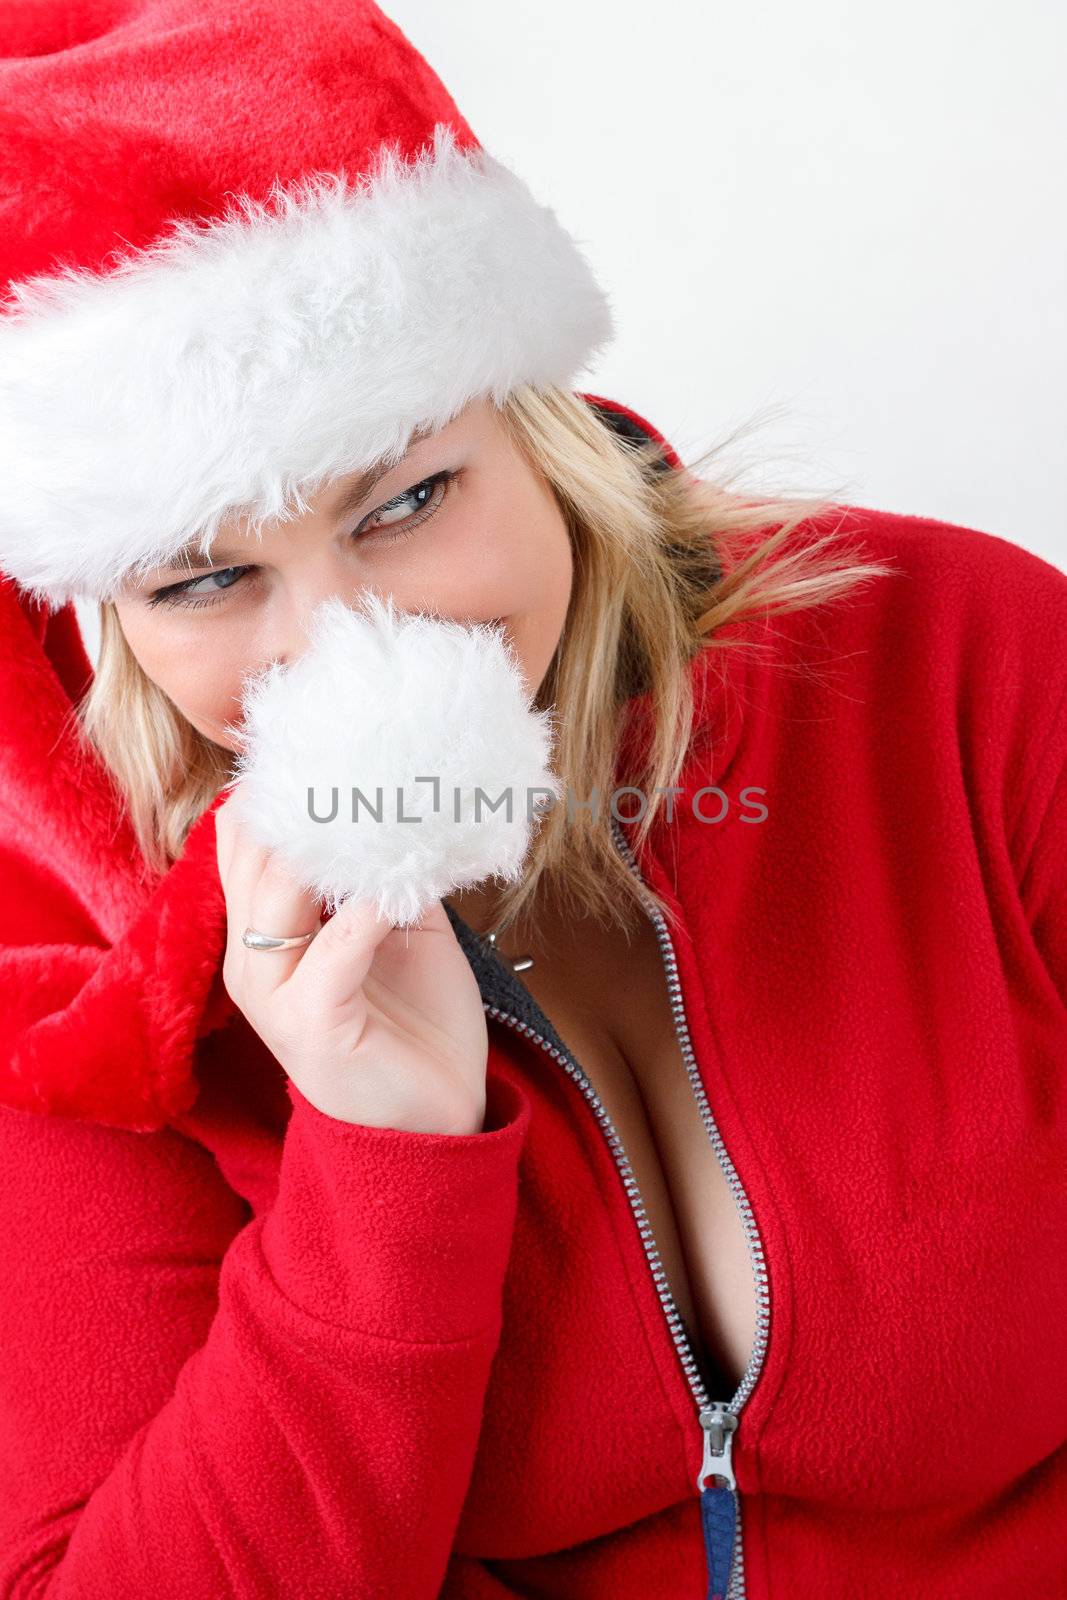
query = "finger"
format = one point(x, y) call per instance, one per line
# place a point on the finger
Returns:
point(409, 973)
point(248, 858)
point(336, 962)
point(242, 858)
point(225, 831)
point(280, 906)
point(232, 831)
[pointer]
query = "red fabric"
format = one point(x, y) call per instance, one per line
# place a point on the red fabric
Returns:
point(117, 120)
point(249, 1350)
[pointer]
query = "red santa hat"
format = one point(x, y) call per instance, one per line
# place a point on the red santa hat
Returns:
point(248, 246)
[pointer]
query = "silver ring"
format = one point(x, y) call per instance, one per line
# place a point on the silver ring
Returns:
point(265, 941)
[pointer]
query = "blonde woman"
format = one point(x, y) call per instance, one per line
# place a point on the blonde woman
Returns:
point(687, 1219)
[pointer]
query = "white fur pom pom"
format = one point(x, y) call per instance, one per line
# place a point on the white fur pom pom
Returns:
point(397, 760)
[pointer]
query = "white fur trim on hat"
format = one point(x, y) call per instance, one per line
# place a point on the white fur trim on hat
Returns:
point(238, 367)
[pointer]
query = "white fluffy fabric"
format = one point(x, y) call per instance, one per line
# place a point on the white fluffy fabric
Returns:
point(380, 700)
point(237, 368)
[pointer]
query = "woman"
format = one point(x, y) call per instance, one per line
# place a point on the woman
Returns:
point(718, 1250)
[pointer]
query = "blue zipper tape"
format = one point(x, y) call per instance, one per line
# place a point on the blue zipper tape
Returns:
point(718, 1515)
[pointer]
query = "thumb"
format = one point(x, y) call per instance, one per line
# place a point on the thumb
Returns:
point(336, 962)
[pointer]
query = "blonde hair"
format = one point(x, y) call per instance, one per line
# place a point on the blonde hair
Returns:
point(664, 561)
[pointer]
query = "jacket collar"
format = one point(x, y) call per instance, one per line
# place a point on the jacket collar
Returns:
point(716, 734)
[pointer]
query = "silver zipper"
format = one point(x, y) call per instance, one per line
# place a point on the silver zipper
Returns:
point(718, 1420)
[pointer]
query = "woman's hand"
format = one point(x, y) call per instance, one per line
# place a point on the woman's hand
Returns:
point(374, 1024)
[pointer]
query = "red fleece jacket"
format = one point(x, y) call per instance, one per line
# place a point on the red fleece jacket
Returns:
point(251, 1350)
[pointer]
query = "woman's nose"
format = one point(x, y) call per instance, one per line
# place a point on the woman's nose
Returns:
point(291, 627)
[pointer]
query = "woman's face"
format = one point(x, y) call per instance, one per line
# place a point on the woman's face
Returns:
point(462, 526)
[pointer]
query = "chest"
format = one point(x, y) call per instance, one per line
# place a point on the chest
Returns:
point(908, 1185)
point(608, 999)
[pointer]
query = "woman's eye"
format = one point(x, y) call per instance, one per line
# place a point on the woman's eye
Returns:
point(412, 506)
point(186, 593)
point(403, 512)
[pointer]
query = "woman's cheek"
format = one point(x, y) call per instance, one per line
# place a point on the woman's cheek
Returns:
point(209, 701)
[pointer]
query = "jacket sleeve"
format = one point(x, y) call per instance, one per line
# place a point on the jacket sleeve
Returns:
point(197, 1404)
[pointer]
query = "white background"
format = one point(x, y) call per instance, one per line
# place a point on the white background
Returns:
point(843, 218)
point(851, 213)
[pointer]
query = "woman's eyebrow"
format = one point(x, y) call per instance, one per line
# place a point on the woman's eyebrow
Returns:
point(353, 489)
point(187, 560)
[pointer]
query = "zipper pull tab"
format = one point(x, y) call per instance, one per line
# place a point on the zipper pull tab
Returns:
point(718, 1501)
